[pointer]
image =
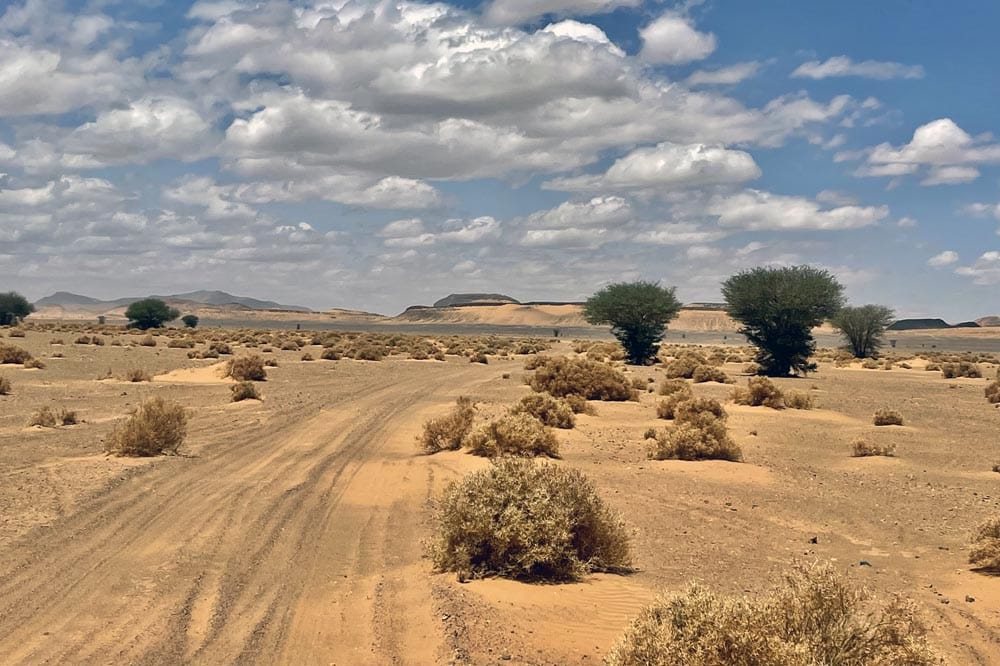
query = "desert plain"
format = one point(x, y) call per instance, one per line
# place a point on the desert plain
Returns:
point(294, 529)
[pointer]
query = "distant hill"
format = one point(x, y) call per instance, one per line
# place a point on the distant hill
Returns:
point(70, 301)
point(927, 325)
point(989, 321)
point(461, 300)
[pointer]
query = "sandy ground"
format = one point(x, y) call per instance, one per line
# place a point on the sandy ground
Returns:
point(291, 530)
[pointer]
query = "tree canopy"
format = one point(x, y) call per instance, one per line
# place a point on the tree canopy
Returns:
point(14, 306)
point(190, 320)
point(150, 313)
point(778, 308)
point(638, 313)
point(863, 327)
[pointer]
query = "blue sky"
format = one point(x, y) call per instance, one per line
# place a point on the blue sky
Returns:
point(375, 155)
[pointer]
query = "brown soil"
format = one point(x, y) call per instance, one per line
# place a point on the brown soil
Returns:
point(290, 530)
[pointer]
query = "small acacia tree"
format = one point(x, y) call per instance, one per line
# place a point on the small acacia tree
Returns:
point(778, 308)
point(863, 327)
point(14, 306)
point(638, 313)
point(150, 313)
point(190, 320)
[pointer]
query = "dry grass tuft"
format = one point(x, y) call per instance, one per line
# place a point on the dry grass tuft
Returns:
point(552, 412)
point(799, 400)
point(984, 549)
point(138, 375)
point(760, 392)
point(520, 520)
point(246, 368)
point(561, 377)
point(887, 417)
point(513, 435)
point(448, 432)
point(156, 427)
point(244, 391)
point(700, 437)
point(44, 417)
point(816, 617)
point(861, 448)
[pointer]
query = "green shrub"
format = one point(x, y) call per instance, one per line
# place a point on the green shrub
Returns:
point(520, 520)
point(244, 391)
point(513, 435)
point(815, 618)
point(448, 432)
point(552, 412)
point(561, 377)
point(156, 427)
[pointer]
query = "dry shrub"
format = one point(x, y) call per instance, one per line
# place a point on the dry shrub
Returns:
point(960, 369)
point(869, 364)
point(710, 373)
point(448, 432)
point(561, 377)
point(671, 386)
point(13, 354)
point(579, 404)
point(701, 437)
point(690, 409)
point(993, 393)
point(816, 617)
point(244, 391)
point(667, 408)
point(887, 417)
point(148, 341)
point(799, 400)
point(861, 448)
point(520, 520)
point(760, 391)
point(479, 357)
point(44, 417)
point(156, 427)
point(67, 417)
point(552, 412)
point(685, 365)
point(307, 357)
point(220, 348)
point(246, 368)
point(331, 355)
point(5, 386)
point(270, 363)
point(138, 375)
point(181, 343)
point(984, 549)
point(34, 363)
point(513, 435)
point(16, 333)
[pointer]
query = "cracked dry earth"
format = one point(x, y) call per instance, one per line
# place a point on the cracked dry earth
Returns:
point(292, 530)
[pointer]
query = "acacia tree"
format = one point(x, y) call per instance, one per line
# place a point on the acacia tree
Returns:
point(190, 320)
point(863, 327)
point(778, 308)
point(638, 313)
point(14, 306)
point(150, 313)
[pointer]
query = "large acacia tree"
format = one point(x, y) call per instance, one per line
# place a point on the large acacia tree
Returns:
point(778, 308)
point(638, 313)
point(150, 313)
point(14, 306)
point(863, 327)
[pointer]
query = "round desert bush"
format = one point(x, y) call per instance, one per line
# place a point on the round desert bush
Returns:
point(984, 552)
point(960, 369)
point(701, 437)
point(760, 391)
point(244, 391)
point(246, 368)
point(518, 519)
point(13, 354)
point(710, 373)
point(667, 408)
point(861, 448)
point(816, 617)
point(156, 427)
point(513, 435)
point(684, 366)
point(671, 386)
point(885, 417)
point(5, 386)
point(594, 381)
point(44, 417)
point(993, 392)
point(579, 404)
point(799, 400)
point(690, 409)
point(552, 412)
point(137, 375)
point(448, 432)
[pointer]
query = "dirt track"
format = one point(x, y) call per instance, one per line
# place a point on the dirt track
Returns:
point(288, 542)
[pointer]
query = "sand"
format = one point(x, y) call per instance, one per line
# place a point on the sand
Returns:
point(290, 530)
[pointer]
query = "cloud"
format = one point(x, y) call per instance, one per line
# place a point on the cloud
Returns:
point(672, 39)
point(599, 211)
point(758, 210)
point(946, 258)
point(668, 165)
point(512, 12)
point(948, 152)
point(869, 69)
point(571, 237)
point(985, 271)
point(724, 75)
point(679, 234)
point(906, 222)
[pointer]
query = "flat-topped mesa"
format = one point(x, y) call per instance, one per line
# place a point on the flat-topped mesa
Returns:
point(461, 300)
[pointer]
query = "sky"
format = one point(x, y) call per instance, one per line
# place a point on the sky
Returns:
point(374, 155)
